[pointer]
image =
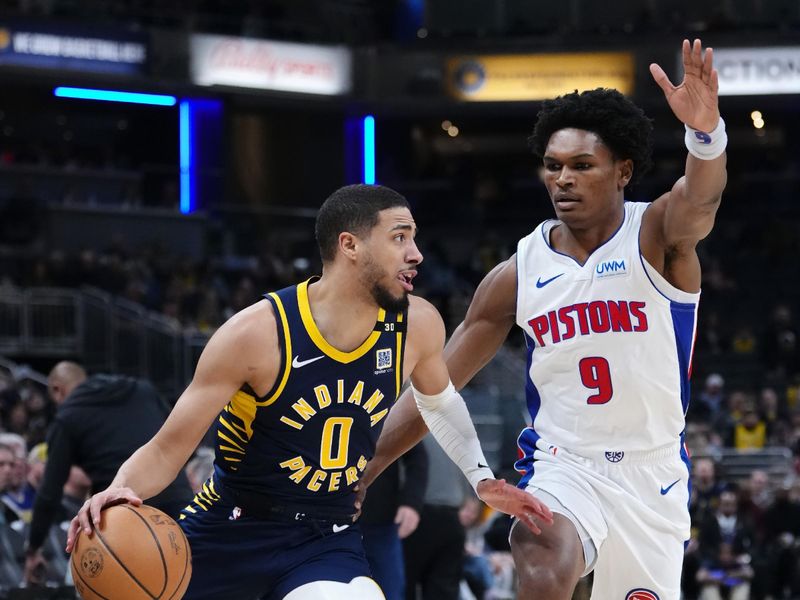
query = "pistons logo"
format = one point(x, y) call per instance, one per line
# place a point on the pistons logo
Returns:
point(641, 594)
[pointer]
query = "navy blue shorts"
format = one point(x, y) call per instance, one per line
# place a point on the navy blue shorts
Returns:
point(250, 558)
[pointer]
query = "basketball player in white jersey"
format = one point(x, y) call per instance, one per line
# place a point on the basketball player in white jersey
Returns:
point(606, 295)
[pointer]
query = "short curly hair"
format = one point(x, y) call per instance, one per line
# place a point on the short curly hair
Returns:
point(620, 124)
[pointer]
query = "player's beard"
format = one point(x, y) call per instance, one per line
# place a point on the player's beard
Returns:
point(383, 297)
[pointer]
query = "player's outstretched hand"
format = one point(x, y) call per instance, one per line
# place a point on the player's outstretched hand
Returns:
point(88, 516)
point(695, 100)
point(515, 502)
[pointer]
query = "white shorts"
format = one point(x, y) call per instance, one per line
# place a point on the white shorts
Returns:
point(635, 508)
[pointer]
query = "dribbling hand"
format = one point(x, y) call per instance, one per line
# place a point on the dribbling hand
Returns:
point(88, 516)
point(695, 100)
point(513, 501)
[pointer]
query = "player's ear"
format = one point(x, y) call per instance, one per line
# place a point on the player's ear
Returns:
point(348, 244)
point(625, 172)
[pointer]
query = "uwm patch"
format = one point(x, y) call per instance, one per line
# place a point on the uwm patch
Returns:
point(610, 268)
point(383, 359)
point(642, 594)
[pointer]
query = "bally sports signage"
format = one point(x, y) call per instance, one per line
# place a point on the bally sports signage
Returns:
point(268, 65)
point(75, 48)
point(504, 78)
point(746, 71)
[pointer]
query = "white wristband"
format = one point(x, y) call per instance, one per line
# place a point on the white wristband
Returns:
point(706, 146)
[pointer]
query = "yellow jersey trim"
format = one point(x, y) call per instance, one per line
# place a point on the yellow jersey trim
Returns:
point(321, 342)
point(399, 360)
point(287, 357)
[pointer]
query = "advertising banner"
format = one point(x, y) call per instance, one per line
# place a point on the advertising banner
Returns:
point(268, 65)
point(757, 71)
point(63, 47)
point(505, 78)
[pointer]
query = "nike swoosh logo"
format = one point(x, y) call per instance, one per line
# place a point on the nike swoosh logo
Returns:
point(664, 490)
point(338, 528)
point(541, 284)
point(480, 466)
point(297, 363)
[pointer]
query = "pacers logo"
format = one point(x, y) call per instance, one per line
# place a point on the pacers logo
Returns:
point(641, 594)
point(92, 563)
point(469, 76)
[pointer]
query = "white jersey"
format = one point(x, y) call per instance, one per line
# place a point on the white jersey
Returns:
point(609, 346)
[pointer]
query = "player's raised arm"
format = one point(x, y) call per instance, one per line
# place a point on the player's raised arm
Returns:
point(689, 209)
point(226, 363)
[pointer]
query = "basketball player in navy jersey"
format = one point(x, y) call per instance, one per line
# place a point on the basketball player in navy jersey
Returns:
point(300, 385)
point(606, 295)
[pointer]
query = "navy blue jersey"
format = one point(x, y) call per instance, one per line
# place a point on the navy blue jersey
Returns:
point(307, 441)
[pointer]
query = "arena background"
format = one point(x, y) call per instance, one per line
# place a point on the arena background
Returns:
point(129, 232)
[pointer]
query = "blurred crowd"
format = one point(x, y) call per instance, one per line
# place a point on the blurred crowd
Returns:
point(746, 527)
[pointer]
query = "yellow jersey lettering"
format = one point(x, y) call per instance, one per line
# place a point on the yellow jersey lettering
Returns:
point(339, 391)
point(316, 480)
point(304, 409)
point(362, 463)
point(291, 422)
point(355, 397)
point(299, 466)
point(375, 419)
point(327, 458)
point(373, 401)
point(323, 396)
point(333, 482)
point(351, 474)
point(293, 463)
point(298, 476)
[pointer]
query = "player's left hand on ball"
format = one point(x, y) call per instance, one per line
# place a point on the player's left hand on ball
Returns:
point(513, 501)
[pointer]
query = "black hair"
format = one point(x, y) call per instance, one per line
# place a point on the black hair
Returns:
point(352, 208)
point(620, 124)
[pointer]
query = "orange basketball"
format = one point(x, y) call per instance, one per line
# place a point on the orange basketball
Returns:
point(137, 553)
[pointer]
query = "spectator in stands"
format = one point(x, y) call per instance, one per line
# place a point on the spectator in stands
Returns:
point(706, 490)
point(7, 461)
point(39, 412)
point(749, 434)
point(725, 575)
point(76, 490)
point(18, 496)
point(391, 514)
point(743, 341)
point(101, 420)
point(477, 570)
point(773, 411)
point(36, 460)
point(726, 527)
point(725, 423)
point(780, 550)
point(433, 551)
point(711, 402)
point(754, 499)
